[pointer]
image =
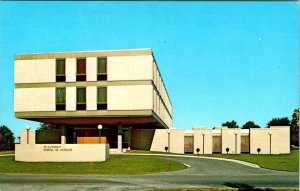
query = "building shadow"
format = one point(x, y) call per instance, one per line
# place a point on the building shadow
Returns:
point(245, 187)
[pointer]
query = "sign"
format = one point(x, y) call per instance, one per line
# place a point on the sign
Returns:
point(54, 148)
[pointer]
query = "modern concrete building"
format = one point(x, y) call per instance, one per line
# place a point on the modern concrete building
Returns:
point(113, 99)
point(122, 90)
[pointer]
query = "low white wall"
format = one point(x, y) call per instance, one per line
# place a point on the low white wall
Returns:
point(278, 143)
point(160, 140)
point(61, 152)
point(198, 140)
point(231, 138)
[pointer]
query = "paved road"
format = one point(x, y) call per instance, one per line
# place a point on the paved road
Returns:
point(202, 173)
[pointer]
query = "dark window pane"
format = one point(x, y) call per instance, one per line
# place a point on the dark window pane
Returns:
point(81, 78)
point(61, 95)
point(81, 69)
point(60, 78)
point(60, 107)
point(101, 77)
point(81, 96)
point(102, 97)
point(101, 106)
point(60, 67)
point(81, 107)
point(101, 65)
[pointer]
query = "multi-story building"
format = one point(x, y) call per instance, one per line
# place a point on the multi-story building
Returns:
point(115, 98)
point(121, 90)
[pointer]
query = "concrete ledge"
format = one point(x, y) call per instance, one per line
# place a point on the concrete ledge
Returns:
point(61, 152)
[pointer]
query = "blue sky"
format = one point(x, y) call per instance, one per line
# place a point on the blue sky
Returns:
point(219, 60)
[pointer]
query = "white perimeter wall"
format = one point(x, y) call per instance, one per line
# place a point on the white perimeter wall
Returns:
point(198, 140)
point(160, 140)
point(280, 141)
point(61, 152)
point(231, 138)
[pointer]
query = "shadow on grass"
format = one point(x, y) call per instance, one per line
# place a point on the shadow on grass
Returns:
point(245, 187)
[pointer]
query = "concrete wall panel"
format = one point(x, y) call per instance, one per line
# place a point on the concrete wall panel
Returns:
point(198, 140)
point(274, 140)
point(60, 152)
point(91, 69)
point(129, 67)
point(71, 70)
point(71, 98)
point(160, 140)
point(177, 141)
point(129, 97)
point(231, 138)
point(281, 139)
point(34, 99)
point(35, 71)
point(91, 97)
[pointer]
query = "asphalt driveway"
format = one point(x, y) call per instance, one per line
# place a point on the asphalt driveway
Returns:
point(202, 173)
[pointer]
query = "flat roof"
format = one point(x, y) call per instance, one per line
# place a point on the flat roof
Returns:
point(78, 54)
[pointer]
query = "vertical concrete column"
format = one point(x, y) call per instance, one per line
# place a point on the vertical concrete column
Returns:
point(63, 134)
point(32, 137)
point(120, 137)
point(23, 137)
point(129, 137)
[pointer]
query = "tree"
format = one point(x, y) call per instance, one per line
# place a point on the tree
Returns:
point(231, 124)
point(284, 121)
point(45, 126)
point(250, 124)
point(7, 139)
point(294, 131)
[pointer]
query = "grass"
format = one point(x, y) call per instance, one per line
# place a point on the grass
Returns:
point(116, 164)
point(6, 152)
point(284, 162)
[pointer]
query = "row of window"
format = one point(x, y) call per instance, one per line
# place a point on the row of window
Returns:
point(81, 69)
point(81, 98)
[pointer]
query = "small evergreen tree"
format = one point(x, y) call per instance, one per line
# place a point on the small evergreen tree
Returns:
point(230, 124)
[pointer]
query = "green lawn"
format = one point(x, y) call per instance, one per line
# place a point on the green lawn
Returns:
point(276, 162)
point(116, 164)
point(286, 162)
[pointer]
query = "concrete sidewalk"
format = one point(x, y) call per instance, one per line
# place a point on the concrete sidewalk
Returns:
point(200, 157)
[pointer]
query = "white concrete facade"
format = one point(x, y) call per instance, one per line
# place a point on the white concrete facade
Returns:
point(230, 138)
point(29, 151)
point(133, 82)
point(135, 95)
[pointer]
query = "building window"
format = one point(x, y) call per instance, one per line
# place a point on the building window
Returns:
point(102, 98)
point(81, 69)
point(102, 69)
point(60, 70)
point(81, 99)
point(60, 98)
